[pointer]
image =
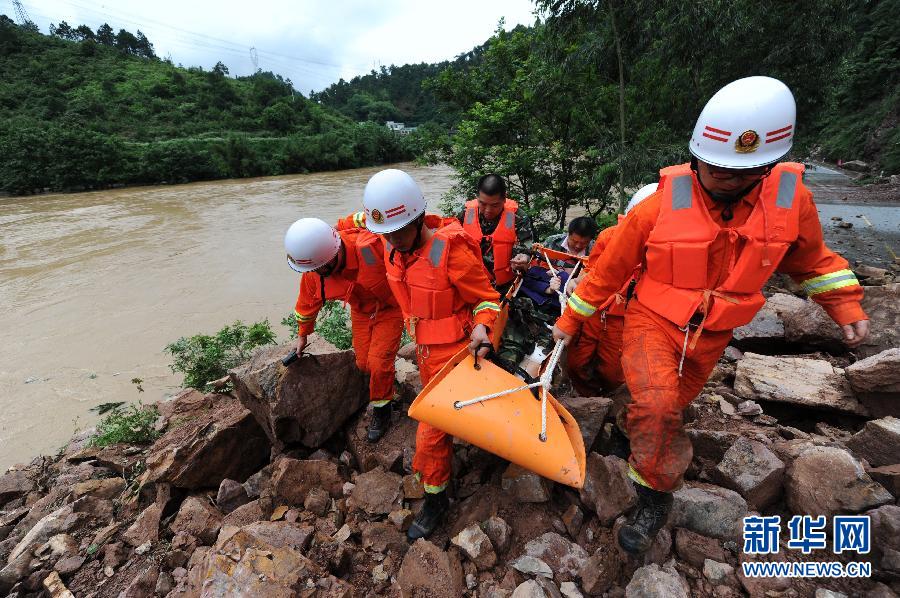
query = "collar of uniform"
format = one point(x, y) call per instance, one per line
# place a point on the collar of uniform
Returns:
point(750, 199)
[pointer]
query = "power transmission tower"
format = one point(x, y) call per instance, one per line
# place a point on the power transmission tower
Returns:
point(20, 13)
point(254, 58)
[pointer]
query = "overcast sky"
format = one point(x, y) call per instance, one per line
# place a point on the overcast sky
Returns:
point(312, 42)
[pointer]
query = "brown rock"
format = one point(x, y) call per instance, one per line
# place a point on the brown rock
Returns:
point(412, 487)
point(296, 404)
point(564, 557)
point(188, 404)
point(317, 501)
point(711, 444)
point(143, 585)
point(106, 488)
point(607, 490)
point(401, 519)
point(387, 452)
point(69, 565)
point(878, 442)
point(55, 586)
point(880, 304)
point(695, 549)
point(879, 373)
point(826, 480)
point(225, 442)
point(382, 537)
point(15, 484)
point(246, 514)
point(709, 510)
point(499, 532)
point(600, 572)
point(145, 528)
point(282, 534)
point(292, 480)
point(573, 518)
point(231, 495)
point(590, 413)
point(476, 545)
point(753, 471)
point(377, 492)
point(654, 581)
point(525, 485)
point(765, 330)
point(811, 383)
point(408, 351)
point(198, 518)
point(888, 476)
point(429, 571)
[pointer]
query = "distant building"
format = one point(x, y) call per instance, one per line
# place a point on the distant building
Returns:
point(399, 128)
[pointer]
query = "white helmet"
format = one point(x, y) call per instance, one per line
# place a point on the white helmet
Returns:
point(748, 123)
point(642, 194)
point(310, 243)
point(392, 200)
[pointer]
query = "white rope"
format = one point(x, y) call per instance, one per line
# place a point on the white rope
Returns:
point(544, 382)
point(560, 294)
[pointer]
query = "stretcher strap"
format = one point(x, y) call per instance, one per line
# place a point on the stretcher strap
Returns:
point(561, 294)
point(544, 382)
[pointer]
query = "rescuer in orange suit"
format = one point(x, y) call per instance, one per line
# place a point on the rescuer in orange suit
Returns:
point(439, 280)
point(502, 231)
point(708, 240)
point(594, 358)
point(349, 265)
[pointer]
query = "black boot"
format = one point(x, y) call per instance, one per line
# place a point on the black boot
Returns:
point(430, 516)
point(381, 421)
point(651, 513)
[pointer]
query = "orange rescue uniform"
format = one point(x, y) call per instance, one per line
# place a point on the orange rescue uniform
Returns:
point(444, 291)
point(595, 354)
point(679, 320)
point(375, 318)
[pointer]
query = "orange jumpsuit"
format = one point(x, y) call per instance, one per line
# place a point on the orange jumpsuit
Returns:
point(595, 354)
point(476, 302)
point(653, 346)
point(376, 322)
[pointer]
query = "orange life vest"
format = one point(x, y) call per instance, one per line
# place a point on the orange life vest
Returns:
point(674, 284)
point(503, 239)
point(369, 250)
point(434, 311)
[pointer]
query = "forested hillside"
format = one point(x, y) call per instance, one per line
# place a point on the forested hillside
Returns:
point(82, 109)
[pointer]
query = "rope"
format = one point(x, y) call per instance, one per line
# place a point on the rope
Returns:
point(560, 294)
point(544, 382)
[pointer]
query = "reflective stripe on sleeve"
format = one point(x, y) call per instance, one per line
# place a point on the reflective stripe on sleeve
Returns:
point(829, 282)
point(580, 306)
point(486, 305)
point(359, 219)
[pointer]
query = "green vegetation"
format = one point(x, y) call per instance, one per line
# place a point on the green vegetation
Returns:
point(203, 358)
point(332, 324)
point(132, 425)
point(85, 110)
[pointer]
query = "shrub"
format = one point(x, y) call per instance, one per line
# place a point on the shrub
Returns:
point(132, 425)
point(203, 358)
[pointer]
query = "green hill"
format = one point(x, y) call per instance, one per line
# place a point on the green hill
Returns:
point(85, 110)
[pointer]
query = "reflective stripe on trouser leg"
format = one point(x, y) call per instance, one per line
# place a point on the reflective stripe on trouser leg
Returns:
point(660, 449)
point(434, 449)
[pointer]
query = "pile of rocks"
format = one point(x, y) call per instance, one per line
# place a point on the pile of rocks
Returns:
point(273, 490)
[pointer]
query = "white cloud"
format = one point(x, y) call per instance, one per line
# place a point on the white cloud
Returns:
point(312, 42)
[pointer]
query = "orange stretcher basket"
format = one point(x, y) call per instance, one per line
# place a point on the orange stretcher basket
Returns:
point(508, 426)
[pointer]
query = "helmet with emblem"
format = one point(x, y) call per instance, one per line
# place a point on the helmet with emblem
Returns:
point(392, 200)
point(746, 124)
point(310, 243)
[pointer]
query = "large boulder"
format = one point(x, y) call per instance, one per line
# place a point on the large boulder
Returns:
point(812, 383)
point(876, 381)
point(607, 490)
point(709, 510)
point(305, 402)
point(564, 557)
point(653, 581)
point(766, 331)
point(590, 413)
point(753, 471)
point(245, 564)
point(809, 326)
point(292, 480)
point(826, 480)
point(15, 484)
point(378, 492)
point(224, 442)
point(878, 442)
point(429, 571)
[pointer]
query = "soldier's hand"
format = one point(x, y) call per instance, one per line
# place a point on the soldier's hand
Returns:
point(479, 336)
point(855, 333)
point(561, 335)
point(300, 344)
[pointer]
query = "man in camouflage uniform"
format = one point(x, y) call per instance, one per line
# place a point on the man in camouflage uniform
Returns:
point(577, 241)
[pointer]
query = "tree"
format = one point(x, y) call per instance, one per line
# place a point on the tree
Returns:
point(220, 69)
point(144, 47)
point(63, 30)
point(83, 33)
point(105, 35)
point(126, 42)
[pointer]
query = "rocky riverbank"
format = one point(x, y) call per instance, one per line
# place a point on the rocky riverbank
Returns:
point(271, 489)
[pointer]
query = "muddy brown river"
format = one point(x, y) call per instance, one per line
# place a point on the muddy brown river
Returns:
point(93, 286)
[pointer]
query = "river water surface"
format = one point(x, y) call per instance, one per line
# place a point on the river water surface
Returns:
point(94, 285)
